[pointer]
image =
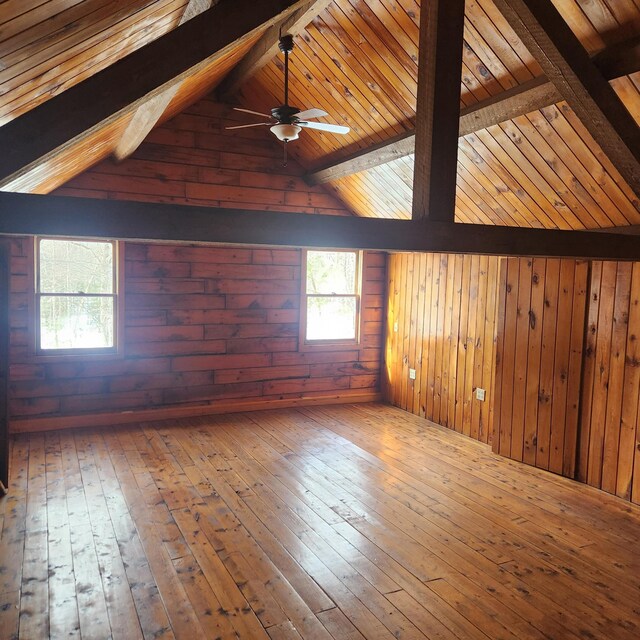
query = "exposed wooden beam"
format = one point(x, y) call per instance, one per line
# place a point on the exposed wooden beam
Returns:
point(567, 65)
point(631, 230)
point(266, 49)
point(148, 113)
point(620, 59)
point(51, 127)
point(438, 110)
point(28, 214)
point(397, 147)
point(614, 62)
point(525, 98)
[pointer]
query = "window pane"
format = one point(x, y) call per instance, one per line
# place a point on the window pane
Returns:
point(331, 272)
point(73, 266)
point(331, 318)
point(69, 322)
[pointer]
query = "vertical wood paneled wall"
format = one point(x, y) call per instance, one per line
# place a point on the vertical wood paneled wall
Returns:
point(204, 328)
point(441, 322)
point(540, 332)
point(563, 378)
point(610, 420)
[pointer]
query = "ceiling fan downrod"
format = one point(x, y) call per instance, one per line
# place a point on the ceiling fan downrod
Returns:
point(285, 44)
point(287, 121)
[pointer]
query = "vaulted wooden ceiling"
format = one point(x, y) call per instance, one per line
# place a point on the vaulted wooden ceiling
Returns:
point(357, 60)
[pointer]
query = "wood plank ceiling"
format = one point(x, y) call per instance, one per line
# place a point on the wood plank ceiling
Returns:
point(47, 47)
point(358, 61)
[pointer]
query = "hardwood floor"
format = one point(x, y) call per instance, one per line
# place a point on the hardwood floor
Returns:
point(344, 522)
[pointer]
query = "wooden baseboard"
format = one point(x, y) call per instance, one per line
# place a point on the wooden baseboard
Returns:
point(32, 425)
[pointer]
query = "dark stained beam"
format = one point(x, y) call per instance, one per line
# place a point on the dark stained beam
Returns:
point(525, 98)
point(631, 230)
point(37, 135)
point(438, 110)
point(620, 59)
point(149, 112)
point(567, 65)
point(28, 214)
point(616, 61)
point(266, 49)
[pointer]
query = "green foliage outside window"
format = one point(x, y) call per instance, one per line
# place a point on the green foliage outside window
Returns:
point(332, 295)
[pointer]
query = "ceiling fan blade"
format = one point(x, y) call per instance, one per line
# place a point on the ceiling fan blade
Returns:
point(311, 113)
point(255, 113)
point(245, 126)
point(322, 126)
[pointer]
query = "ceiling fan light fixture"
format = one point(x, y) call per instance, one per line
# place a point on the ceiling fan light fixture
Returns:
point(286, 132)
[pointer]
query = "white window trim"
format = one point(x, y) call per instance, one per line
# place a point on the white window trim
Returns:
point(332, 345)
point(106, 353)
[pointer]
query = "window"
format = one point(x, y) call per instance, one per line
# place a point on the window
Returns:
point(76, 296)
point(331, 305)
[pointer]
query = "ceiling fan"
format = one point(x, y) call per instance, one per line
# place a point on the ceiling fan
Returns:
point(286, 121)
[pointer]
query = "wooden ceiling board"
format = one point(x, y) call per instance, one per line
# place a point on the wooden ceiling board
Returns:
point(379, 192)
point(539, 170)
point(63, 77)
point(358, 61)
point(560, 180)
point(599, 23)
point(204, 81)
point(42, 64)
point(506, 57)
point(628, 90)
point(88, 153)
point(362, 90)
point(361, 58)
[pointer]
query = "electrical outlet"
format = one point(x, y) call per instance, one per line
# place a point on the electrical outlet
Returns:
point(412, 374)
point(480, 394)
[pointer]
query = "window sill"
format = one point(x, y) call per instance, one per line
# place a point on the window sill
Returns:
point(330, 345)
point(69, 356)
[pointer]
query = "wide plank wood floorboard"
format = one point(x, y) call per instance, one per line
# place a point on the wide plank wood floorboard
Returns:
point(348, 522)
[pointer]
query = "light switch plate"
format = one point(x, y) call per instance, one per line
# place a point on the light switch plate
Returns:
point(412, 374)
point(480, 394)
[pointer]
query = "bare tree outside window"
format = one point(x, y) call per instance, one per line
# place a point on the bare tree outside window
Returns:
point(332, 295)
point(76, 294)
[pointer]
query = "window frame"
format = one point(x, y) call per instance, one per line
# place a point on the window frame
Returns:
point(103, 353)
point(334, 344)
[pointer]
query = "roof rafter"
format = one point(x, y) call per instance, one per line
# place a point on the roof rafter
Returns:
point(148, 113)
point(438, 110)
point(614, 62)
point(51, 127)
point(568, 66)
point(266, 48)
point(28, 214)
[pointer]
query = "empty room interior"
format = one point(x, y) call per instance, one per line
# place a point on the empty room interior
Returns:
point(320, 319)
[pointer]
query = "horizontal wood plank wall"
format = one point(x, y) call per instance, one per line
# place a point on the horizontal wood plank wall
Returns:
point(610, 431)
point(193, 159)
point(203, 327)
point(539, 361)
point(441, 322)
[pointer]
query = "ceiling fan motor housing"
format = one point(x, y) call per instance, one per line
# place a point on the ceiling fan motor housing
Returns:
point(285, 44)
point(285, 114)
